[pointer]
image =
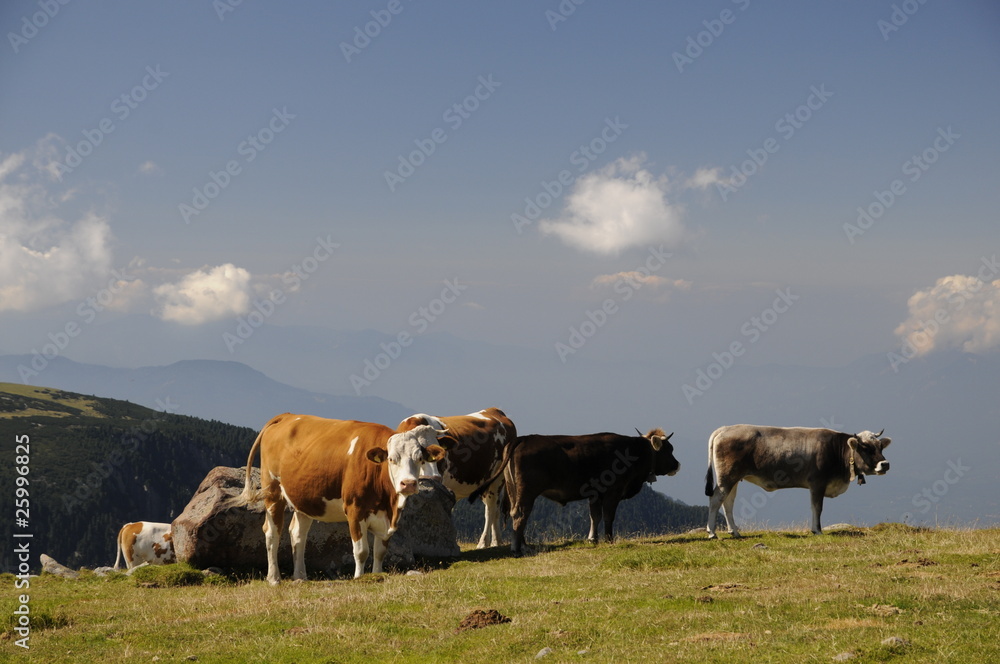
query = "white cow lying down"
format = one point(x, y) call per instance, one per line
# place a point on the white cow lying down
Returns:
point(145, 542)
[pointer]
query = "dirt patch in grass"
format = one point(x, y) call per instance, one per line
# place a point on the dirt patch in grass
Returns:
point(712, 637)
point(480, 618)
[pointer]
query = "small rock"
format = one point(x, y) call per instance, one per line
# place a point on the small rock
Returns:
point(544, 652)
point(414, 572)
point(759, 546)
point(895, 641)
point(50, 565)
point(844, 656)
point(213, 571)
point(104, 571)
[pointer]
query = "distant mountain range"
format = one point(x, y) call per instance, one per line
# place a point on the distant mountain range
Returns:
point(210, 389)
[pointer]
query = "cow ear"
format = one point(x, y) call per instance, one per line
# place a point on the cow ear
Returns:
point(434, 452)
point(377, 454)
point(885, 442)
point(852, 442)
point(447, 442)
point(656, 442)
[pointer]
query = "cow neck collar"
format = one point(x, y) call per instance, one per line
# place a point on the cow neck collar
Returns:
point(856, 475)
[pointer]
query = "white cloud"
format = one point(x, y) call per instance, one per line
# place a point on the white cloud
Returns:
point(150, 168)
point(620, 206)
point(45, 260)
point(205, 295)
point(704, 178)
point(652, 286)
point(957, 312)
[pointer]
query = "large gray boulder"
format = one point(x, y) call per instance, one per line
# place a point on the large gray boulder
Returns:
point(210, 534)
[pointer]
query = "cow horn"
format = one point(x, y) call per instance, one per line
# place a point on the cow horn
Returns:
point(639, 432)
point(879, 434)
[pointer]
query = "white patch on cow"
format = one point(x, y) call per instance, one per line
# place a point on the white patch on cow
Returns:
point(333, 510)
point(481, 415)
point(354, 442)
point(432, 421)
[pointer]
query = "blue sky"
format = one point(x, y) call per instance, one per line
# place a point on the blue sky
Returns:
point(738, 137)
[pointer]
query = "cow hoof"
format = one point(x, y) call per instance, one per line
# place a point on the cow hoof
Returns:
point(712, 536)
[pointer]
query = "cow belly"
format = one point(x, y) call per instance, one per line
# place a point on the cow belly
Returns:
point(333, 510)
point(770, 484)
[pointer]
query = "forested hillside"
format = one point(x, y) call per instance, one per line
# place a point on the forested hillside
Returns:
point(95, 464)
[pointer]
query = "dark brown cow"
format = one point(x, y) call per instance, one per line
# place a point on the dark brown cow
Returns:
point(477, 454)
point(335, 470)
point(821, 460)
point(602, 468)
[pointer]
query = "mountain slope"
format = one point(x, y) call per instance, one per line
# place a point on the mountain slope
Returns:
point(222, 390)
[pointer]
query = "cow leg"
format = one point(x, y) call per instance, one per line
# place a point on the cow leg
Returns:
point(359, 536)
point(298, 531)
point(610, 509)
point(714, 504)
point(596, 512)
point(491, 535)
point(727, 505)
point(274, 520)
point(816, 494)
point(379, 548)
point(519, 514)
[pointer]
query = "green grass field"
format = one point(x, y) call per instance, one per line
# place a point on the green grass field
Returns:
point(770, 597)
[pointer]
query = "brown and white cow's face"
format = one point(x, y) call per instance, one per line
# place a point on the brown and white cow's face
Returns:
point(407, 454)
point(868, 458)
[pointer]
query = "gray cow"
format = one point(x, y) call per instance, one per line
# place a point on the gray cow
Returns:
point(821, 460)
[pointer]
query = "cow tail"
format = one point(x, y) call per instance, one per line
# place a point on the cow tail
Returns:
point(249, 494)
point(508, 451)
point(709, 476)
point(118, 551)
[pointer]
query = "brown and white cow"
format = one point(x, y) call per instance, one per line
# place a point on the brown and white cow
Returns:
point(477, 454)
point(821, 460)
point(602, 468)
point(144, 542)
point(335, 470)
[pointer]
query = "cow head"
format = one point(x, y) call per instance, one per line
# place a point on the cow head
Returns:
point(408, 454)
point(866, 453)
point(664, 462)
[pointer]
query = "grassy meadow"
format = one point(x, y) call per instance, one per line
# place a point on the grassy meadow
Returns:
point(769, 597)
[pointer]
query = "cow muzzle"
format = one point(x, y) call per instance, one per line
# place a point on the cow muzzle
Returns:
point(408, 487)
point(882, 468)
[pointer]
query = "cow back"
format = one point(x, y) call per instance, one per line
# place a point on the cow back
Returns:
point(317, 460)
